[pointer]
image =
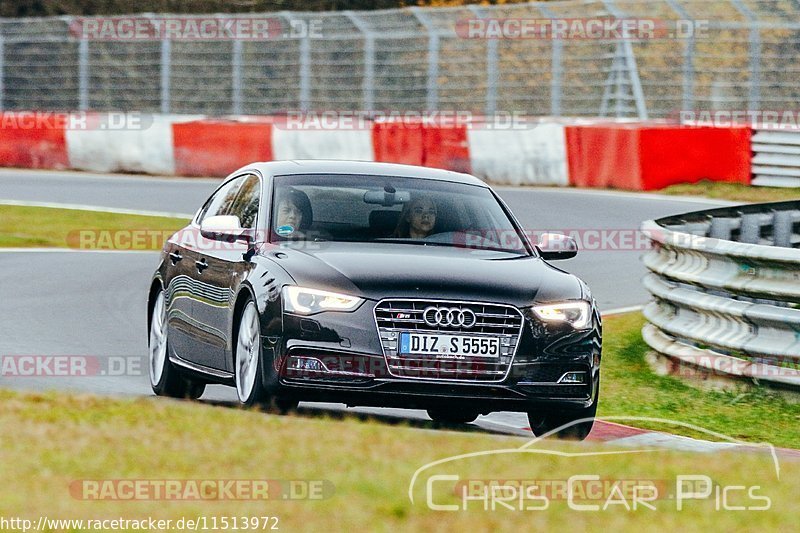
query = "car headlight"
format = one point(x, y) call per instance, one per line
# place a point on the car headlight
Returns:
point(305, 301)
point(577, 313)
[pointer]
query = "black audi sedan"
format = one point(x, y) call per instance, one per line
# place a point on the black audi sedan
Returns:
point(374, 284)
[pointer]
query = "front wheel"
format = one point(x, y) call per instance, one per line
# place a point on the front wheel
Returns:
point(544, 422)
point(576, 423)
point(248, 359)
point(165, 378)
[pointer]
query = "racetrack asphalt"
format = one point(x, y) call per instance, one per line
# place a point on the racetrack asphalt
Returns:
point(93, 303)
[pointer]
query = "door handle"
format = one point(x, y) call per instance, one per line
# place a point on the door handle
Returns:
point(201, 265)
point(175, 257)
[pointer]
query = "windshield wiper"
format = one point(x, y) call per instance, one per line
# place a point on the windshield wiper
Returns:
point(424, 242)
point(418, 242)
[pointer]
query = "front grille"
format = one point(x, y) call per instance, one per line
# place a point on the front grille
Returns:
point(493, 320)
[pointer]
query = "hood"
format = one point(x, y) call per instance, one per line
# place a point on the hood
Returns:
point(377, 270)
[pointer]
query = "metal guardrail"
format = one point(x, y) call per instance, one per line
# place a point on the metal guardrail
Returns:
point(726, 292)
point(776, 157)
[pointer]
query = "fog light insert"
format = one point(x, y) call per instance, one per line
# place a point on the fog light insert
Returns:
point(307, 363)
point(573, 378)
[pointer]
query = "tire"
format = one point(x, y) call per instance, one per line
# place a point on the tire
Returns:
point(165, 378)
point(248, 359)
point(452, 415)
point(543, 422)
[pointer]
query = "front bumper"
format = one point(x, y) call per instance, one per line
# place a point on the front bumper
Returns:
point(338, 357)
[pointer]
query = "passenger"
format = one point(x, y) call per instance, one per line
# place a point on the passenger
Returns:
point(417, 219)
point(293, 215)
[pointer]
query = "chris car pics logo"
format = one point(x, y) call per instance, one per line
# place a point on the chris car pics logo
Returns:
point(445, 489)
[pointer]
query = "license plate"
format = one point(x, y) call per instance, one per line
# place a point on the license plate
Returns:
point(448, 346)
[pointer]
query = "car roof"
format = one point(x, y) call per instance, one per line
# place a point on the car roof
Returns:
point(332, 166)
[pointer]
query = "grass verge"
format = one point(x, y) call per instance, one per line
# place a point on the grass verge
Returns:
point(53, 442)
point(26, 227)
point(53, 446)
point(630, 388)
point(732, 191)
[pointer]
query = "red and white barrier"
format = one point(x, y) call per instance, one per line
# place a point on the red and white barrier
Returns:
point(355, 144)
point(531, 156)
point(632, 156)
point(30, 142)
point(211, 147)
point(148, 150)
point(647, 157)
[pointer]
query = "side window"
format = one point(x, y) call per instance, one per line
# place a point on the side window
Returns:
point(247, 201)
point(223, 200)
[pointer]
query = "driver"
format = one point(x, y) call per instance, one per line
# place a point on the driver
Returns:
point(293, 214)
point(417, 219)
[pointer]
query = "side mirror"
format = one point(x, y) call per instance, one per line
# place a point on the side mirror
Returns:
point(225, 227)
point(555, 246)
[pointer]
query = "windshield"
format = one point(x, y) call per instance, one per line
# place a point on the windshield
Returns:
point(412, 211)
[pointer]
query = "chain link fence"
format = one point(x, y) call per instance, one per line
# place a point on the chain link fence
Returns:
point(731, 54)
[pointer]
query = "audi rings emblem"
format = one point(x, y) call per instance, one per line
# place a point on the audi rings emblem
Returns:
point(451, 317)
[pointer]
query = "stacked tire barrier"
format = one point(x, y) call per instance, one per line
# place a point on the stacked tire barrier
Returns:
point(776, 157)
point(726, 292)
